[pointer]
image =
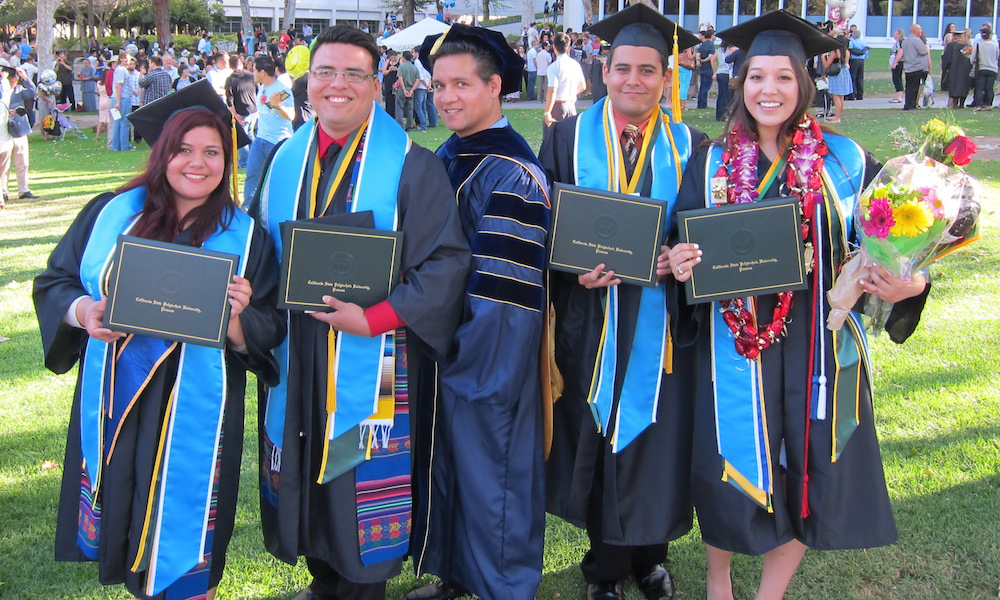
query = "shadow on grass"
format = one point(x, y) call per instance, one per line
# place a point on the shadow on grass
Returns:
point(928, 379)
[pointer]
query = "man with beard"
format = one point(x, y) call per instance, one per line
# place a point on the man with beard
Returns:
point(345, 508)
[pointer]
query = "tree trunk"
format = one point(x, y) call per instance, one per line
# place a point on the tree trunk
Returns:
point(245, 21)
point(46, 13)
point(486, 12)
point(289, 17)
point(409, 10)
point(527, 12)
point(161, 20)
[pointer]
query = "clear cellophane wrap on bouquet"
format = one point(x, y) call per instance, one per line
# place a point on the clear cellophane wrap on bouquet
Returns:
point(914, 212)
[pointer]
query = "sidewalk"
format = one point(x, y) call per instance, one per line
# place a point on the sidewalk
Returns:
point(940, 101)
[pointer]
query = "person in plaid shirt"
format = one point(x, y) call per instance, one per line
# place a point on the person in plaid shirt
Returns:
point(156, 83)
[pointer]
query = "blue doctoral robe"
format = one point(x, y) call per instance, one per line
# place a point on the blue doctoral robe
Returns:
point(478, 447)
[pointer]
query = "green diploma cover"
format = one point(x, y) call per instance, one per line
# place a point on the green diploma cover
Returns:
point(747, 249)
point(590, 227)
point(170, 291)
point(352, 264)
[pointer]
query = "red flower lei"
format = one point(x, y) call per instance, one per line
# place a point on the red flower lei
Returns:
point(803, 177)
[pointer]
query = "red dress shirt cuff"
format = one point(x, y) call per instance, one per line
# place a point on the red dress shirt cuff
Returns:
point(382, 318)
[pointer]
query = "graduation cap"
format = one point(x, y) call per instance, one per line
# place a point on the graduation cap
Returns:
point(150, 120)
point(511, 64)
point(640, 25)
point(779, 33)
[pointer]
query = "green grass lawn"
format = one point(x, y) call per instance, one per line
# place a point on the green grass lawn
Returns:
point(938, 415)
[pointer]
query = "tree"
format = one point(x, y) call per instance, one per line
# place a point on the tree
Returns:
point(161, 20)
point(46, 31)
point(527, 12)
point(245, 21)
point(289, 17)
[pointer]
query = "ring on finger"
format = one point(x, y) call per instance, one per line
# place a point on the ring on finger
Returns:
point(680, 270)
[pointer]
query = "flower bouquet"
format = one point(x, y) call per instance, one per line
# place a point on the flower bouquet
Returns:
point(919, 208)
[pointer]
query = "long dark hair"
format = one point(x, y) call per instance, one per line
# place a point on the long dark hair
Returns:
point(740, 116)
point(159, 220)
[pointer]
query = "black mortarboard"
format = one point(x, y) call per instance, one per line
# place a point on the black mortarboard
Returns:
point(510, 63)
point(779, 33)
point(151, 118)
point(640, 25)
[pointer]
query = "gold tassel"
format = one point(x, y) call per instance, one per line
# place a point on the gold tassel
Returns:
point(668, 351)
point(236, 169)
point(331, 378)
point(675, 85)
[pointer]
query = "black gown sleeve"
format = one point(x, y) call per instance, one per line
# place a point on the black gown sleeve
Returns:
point(436, 256)
point(59, 285)
point(557, 151)
point(686, 319)
point(263, 325)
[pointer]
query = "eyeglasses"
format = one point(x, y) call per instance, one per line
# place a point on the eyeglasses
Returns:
point(349, 76)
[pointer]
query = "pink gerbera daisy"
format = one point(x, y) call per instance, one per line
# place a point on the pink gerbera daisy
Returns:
point(879, 220)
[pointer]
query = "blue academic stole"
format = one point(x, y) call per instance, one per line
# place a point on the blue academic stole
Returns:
point(182, 484)
point(598, 164)
point(741, 419)
point(376, 189)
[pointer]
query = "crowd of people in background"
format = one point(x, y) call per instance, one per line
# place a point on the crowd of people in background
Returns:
point(114, 81)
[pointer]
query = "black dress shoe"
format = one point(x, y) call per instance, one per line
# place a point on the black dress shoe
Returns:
point(606, 590)
point(656, 584)
point(29, 196)
point(438, 590)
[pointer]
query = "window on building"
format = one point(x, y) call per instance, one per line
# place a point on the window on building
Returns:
point(748, 7)
point(877, 8)
point(725, 7)
point(816, 7)
point(928, 8)
point(690, 7)
point(768, 5)
point(794, 7)
point(234, 24)
point(902, 8)
point(317, 25)
point(980, 8)
point(955, 8)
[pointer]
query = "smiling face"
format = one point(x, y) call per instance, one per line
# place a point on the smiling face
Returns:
point(197, 168)
point(342, 106)
point(771, 93)
point(636, 79)
point(466, 102)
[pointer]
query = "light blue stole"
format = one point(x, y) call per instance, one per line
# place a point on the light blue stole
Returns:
point(376, 190)
point(741, 418)
point(194, 418)
point(595, 166)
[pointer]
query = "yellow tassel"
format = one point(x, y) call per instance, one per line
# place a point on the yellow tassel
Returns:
point(675, 85)
point(236, 169)
point(668, 352)
point(331, 375)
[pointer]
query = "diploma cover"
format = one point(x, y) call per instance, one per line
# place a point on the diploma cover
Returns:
point(591, 226)
point(170, 291)
point(747, 249)
point(352, 264)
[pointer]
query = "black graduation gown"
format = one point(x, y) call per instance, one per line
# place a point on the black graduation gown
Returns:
point(959, 68)
point(320, 521)
point(849, 504)
point(643, 489)
point(125, 486)
point(478, 458)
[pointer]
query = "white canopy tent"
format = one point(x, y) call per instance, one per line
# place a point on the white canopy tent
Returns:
point(414, 35)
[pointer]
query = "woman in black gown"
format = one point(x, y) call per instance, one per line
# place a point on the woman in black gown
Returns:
point(130, 508)
point(805, 477)
point(956, 64)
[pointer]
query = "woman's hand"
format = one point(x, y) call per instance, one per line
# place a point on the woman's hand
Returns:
point(891, 288)
point(93, 320)
point(663, 262)
point(595, 280)
point(682, 258)
point(346, 317)
point(239, 295)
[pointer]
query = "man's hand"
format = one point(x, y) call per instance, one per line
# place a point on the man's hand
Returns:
point(594, 279)
point(548, 119)
point(346, 317)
